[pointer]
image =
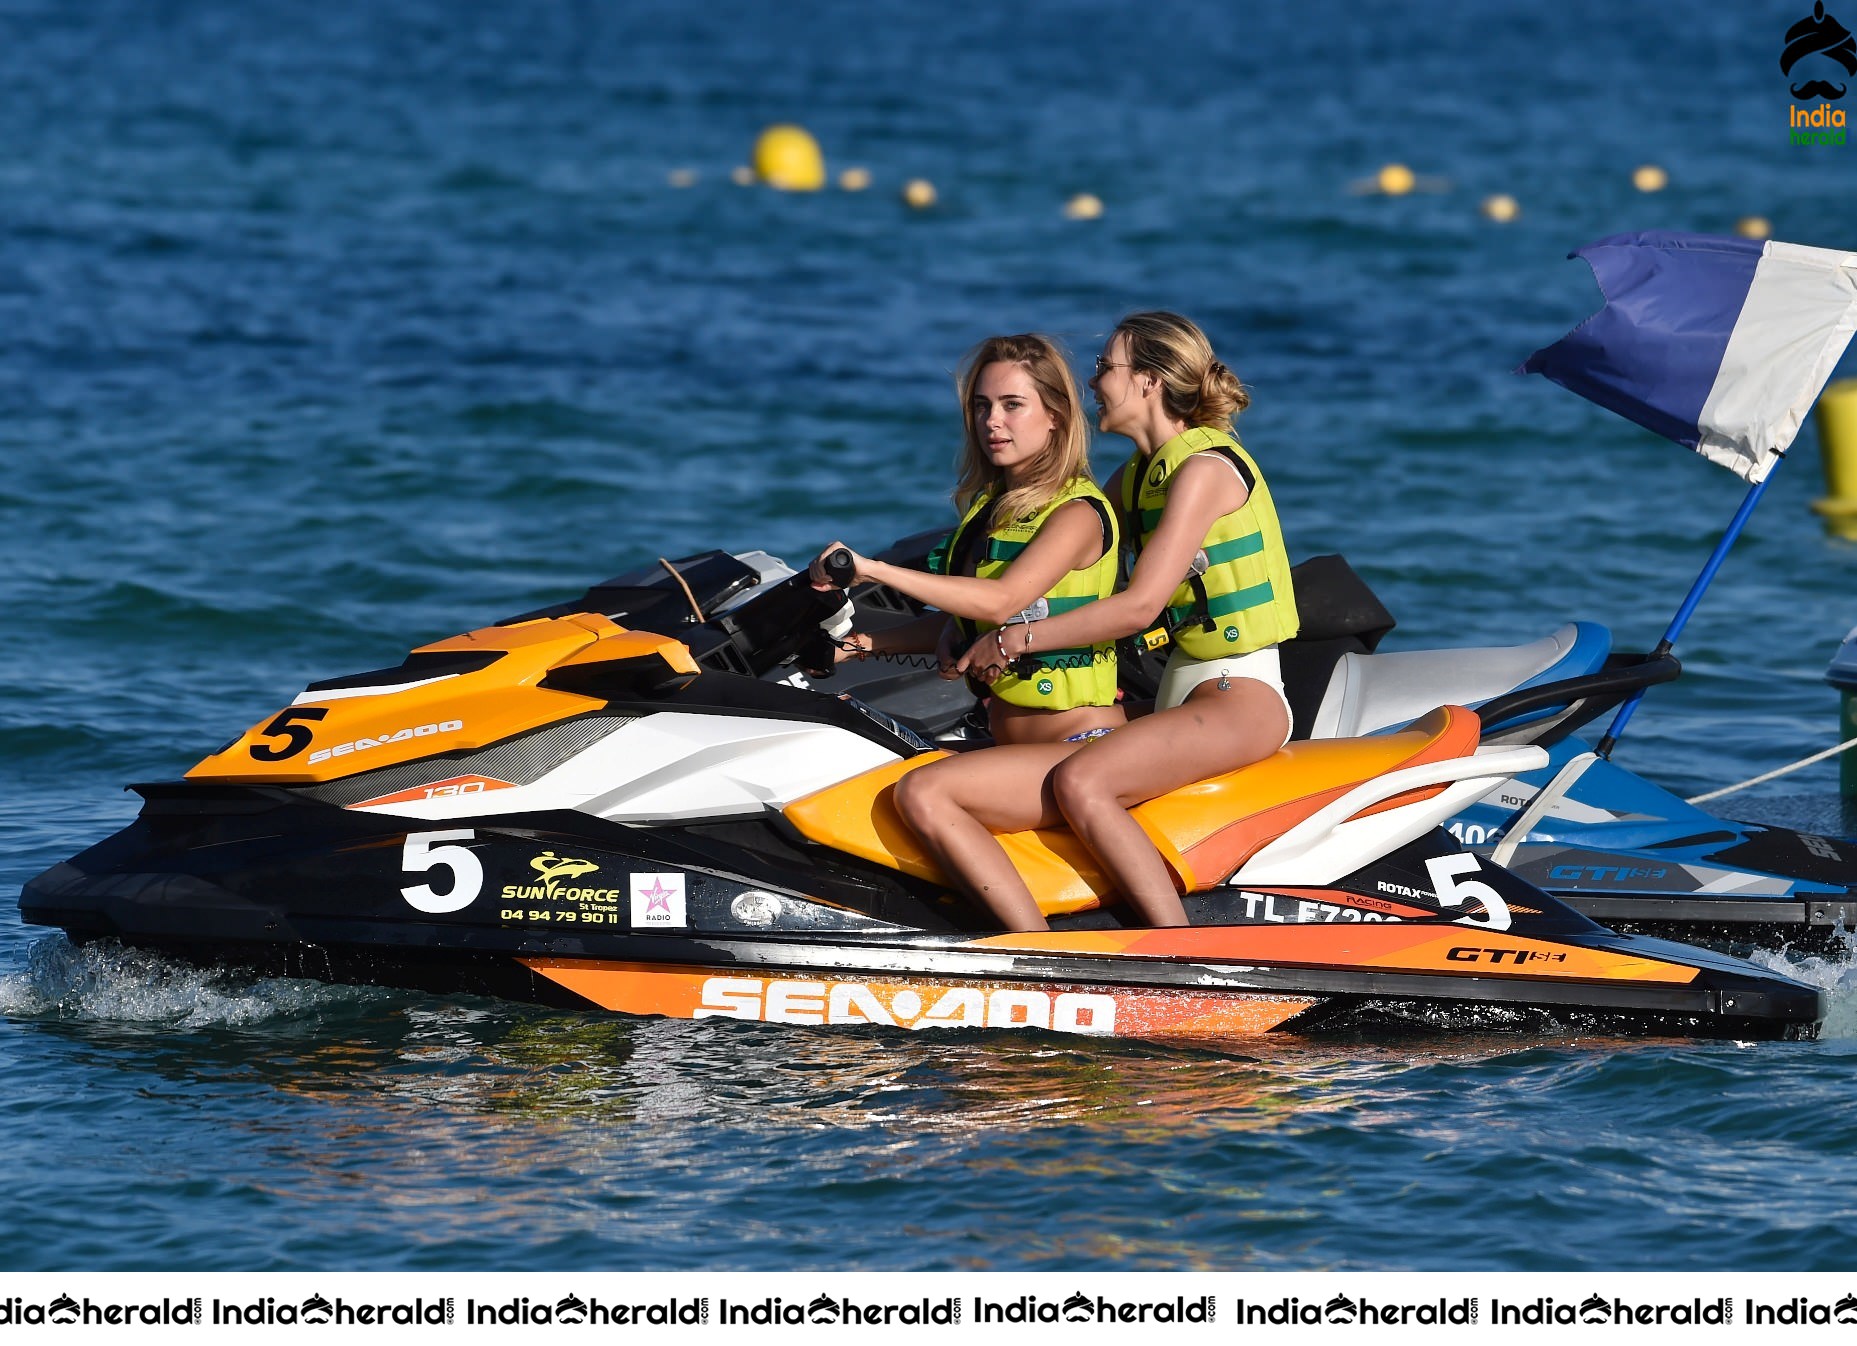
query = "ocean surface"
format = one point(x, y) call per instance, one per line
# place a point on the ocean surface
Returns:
point(330, 330)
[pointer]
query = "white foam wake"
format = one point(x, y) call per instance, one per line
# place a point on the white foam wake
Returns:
point(107, 980)
point(1834, 974)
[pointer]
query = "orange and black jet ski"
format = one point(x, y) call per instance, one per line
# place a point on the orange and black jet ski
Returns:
point(566, 810)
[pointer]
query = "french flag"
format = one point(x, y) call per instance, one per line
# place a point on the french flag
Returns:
point(1721, 344)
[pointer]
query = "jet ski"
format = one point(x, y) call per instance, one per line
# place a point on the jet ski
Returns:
point(1613, 845)
point(575, 810)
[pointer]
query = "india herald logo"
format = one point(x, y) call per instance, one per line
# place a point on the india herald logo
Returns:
point(1820, 55)
point(1815, 43)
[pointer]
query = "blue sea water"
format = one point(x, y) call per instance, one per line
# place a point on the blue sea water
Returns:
point(331, 330)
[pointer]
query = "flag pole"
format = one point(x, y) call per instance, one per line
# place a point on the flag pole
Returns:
point(1696, 590)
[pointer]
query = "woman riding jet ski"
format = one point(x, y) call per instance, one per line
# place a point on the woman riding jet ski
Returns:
point(1616, 847)
point(564, 810)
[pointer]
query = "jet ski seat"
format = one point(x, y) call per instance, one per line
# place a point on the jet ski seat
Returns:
point(1370, 692)
point(1204, 831)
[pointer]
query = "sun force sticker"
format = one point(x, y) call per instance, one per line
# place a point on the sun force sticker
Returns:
point(658, 901)
point(566, 894)
point(851, 1002)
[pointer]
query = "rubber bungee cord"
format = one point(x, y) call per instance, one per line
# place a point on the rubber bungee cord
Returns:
point(683, 584)
point(1039, 662)
point(907, 660)
point(1775, 773)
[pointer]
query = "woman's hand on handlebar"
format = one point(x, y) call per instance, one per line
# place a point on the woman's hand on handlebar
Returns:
point(845, 568)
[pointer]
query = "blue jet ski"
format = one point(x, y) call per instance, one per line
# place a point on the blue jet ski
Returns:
point(1617, 847)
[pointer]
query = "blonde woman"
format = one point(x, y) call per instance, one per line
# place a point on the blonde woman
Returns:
point(1036, 539)
point(1211, 564)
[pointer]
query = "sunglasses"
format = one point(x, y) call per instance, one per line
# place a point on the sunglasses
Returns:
point(1103, 365)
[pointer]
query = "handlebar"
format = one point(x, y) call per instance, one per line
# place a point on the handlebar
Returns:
point(840, 569)
point(1587, 696)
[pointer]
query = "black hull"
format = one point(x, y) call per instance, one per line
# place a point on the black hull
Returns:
point(288, 888)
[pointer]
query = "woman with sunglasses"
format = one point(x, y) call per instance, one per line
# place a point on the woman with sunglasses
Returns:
point(1210, 563)
point(1036, 538)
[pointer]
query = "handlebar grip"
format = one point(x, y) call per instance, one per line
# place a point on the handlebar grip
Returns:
point(840, 569)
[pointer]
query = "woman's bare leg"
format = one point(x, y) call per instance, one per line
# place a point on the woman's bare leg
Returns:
point(1210, 733)
point(958, 805)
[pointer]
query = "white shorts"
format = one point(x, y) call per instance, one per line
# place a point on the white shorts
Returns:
point(1184, 673)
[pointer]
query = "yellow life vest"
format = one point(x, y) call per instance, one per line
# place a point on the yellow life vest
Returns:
point(1084, 676)
point(1242, 601)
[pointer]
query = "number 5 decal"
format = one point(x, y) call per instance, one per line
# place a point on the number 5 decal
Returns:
point(296, 736)
point(1453, 892)
point(423, 852)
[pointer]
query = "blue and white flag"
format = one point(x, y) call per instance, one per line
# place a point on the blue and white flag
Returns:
point(1721, 344)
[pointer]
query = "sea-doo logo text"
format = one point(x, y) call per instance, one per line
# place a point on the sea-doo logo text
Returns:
point(851, 1002)
point(397, 736)
point(1820, 847)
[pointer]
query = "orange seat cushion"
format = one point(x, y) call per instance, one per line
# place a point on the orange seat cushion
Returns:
point(1204, 831)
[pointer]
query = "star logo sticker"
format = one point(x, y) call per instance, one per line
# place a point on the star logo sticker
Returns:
point(657, 897)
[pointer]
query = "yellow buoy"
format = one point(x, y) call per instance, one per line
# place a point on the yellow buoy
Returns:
point(1837, 449)
point(1396, 180)
point(919, 193)
point(786, 157)
point(1649, 178)
point(854, 179)
point(1501, 208)
point(742, 175)
point(1754, 226)
point(1084, 206)
point(683, 177)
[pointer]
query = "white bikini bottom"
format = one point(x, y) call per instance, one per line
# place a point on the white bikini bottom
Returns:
point(1184, 673)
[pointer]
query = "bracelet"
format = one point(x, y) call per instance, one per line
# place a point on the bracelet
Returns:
point(1028, 638)
point(999, 639)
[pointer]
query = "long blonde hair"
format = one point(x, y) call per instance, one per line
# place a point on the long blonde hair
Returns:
point(1067, 453)
point(1196, 387)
